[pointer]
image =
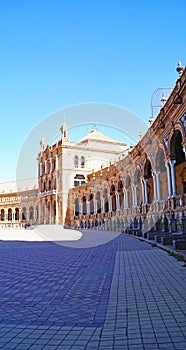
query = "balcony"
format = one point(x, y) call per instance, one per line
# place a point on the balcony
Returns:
point(46, 193)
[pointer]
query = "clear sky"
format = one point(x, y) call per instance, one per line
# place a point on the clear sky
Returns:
point(57, 53)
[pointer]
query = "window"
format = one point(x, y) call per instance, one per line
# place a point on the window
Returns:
point(76, 161)
point(79, 180)
point(82, 162)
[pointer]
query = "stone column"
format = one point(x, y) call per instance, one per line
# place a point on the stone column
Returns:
point(81, 208)
point(117, 201)
point(142, 191)
point(95, 206)
point(110, 203)
point(155, 186)
point(145, 181)
point(102, 205)
point(126, 198)
point(173, 176)
point(40, 169)
point(158, 185)
point(45, 166)
point(135, 195)
point(169, 180)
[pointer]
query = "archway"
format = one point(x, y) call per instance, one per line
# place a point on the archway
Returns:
point(137, 183)
point(113, 195)
point(161, 174)
point(9, 214)
point(16, 214)
point(84, 201)
point(2, 214)
point(129, 191)
point(178, 157)
point(76, 204)
point(149, 181)
point(98, 198)
point(120, 192)
point(105, 196)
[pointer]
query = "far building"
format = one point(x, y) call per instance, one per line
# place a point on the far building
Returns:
point(65, 164)
point(18, 203)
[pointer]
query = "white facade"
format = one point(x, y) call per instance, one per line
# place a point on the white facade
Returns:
point(74, 162)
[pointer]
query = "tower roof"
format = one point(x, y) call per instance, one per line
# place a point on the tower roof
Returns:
point(96, 135)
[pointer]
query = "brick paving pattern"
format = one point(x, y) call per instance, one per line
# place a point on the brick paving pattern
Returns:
point(123, 294)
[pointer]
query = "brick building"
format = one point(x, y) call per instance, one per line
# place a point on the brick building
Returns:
point(147, 188)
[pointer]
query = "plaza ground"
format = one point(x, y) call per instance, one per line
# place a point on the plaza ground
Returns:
point(89, 290)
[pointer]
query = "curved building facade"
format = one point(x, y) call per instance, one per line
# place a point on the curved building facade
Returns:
point(147, 188)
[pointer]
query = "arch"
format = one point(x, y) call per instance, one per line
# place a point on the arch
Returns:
point(2, 214)
point(105, 196)
point(98, 198)
point(149, 181)
point(176, 149)
point(129, 189)
point(9, 214)
point(120, 192)
point(16, 214)
point(24, 214)
point(31, 213)
point(137, 183)
point(161, 173)
point(76, 204)
point(84, 201)
point(91, 197)
point(113, 195)
point(177, 154)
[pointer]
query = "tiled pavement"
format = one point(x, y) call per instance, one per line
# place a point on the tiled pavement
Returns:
point(123, 294)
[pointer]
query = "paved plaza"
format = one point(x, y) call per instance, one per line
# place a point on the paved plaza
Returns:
point(98, 290)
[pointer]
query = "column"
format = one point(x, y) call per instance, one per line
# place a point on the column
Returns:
point(95, 206)
point(142, 191)
point(40, 169)
point(81, 208)
point(135, 195)
point(173, 177)
point(110, 203)
point(158, 185)
point(13, 214)
point(45, 166)
point(117, 201)
point(169, 180)
point(145, 181)
point(126, 199)
point(155, 186)
point(50, 164)
point(102, 205)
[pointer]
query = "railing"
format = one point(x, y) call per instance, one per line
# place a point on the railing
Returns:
point(46, 193)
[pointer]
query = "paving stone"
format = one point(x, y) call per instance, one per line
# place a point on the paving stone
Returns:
point(120, 295)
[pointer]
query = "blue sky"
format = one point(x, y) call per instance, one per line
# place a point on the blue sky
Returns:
point(59, 53)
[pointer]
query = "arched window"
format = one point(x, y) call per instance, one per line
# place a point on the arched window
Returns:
point(82, 162)
point(76, 161)
point(16, 213)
